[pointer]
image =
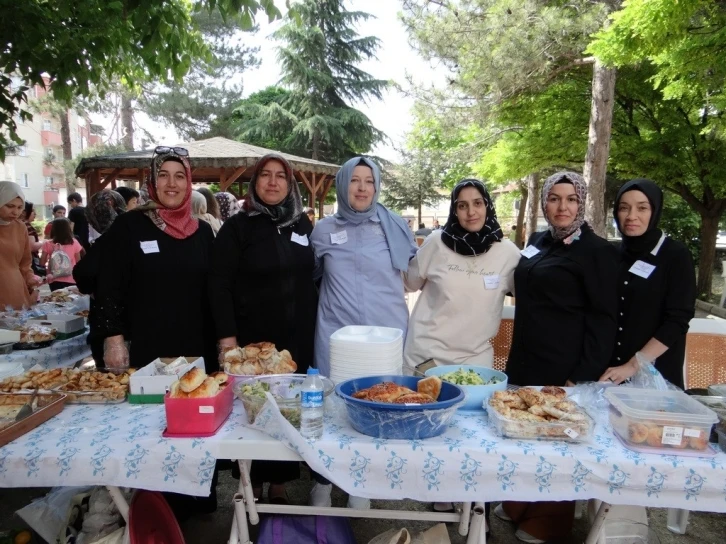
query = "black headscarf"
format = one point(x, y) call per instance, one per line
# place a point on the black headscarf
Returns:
point(103, 208)
point(461, 241)
point(288, 211)
point(637, 246)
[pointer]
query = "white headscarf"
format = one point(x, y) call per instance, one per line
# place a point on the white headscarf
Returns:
point(9, 191)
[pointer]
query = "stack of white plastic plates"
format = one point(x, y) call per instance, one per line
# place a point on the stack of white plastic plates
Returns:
point(10, 369)
point(358, 351)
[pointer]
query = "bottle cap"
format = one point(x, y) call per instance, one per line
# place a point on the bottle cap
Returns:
point(313, 371)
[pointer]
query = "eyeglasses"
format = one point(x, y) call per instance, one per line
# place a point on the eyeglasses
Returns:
point(163, 150)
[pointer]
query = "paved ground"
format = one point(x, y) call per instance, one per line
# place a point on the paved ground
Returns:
point(214, 528)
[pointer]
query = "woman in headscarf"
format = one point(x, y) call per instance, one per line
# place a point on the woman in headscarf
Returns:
point(564, 323)
point(228, 205)
point(153, 289)
point(103, 209)
point(261, 286)
point(199, 211)
point(467, 268)
point(17, 281)
point(212, 204)
point(656, 288)
point(361, 253)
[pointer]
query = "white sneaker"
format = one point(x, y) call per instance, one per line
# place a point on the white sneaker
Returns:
point(358, 503)
point(501, 514)
point(320, 495)
point(526, 537)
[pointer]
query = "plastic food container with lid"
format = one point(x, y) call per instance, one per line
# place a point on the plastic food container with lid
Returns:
point(285, 388)
point(560, 430)
point(659, 421)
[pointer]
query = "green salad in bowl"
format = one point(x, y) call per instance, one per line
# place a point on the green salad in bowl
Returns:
point(468, 377)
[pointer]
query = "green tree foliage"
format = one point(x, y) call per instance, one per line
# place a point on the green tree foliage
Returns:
point(318, 61)
point(86, 44)
point(414, 184)
point(202, 105)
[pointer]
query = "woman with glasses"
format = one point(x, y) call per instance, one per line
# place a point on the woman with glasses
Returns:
point(564, 323)
point(155, 262)
point(464, 272)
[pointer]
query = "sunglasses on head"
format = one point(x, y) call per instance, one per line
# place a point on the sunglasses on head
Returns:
point(163, 150)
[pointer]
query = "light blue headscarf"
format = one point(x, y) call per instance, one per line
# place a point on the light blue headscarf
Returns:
point(394, 228)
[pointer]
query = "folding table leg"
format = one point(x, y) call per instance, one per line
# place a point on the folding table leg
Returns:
point(465, 518)
point(597, 523)
point(477, 530)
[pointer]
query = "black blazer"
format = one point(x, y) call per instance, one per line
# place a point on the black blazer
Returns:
point(565, 315)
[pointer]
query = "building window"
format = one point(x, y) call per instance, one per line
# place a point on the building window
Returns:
point(48, 181)
point(23, 180)
point(47, 125)
point(22, 150)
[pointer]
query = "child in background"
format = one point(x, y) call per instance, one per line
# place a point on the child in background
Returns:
point(60, 267)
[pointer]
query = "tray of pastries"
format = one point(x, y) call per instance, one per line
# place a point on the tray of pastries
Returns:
point(45, 406)
point(35, 337)
point(546, 414)
point(62, 295)
point(43, 380)
point(94, 387)
point(258, 359)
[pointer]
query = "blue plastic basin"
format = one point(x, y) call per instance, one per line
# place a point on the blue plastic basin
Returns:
point(384, 420)
point(476, 395)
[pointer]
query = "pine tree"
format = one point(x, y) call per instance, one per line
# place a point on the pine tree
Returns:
point(318, 62)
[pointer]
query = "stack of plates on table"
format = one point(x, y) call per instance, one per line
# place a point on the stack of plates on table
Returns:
point(358, 351)
point(8, 370)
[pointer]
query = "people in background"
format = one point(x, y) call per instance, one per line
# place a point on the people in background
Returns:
point(103, 209)
point(228, 205)
point(130, 196)
point(60, 255)
point(311, 215)
point(77, 217)
point(153, 289)
point(437, 226)
point(212, 204)
point(18, 284)
point(58, 211)
point(422, 230)
point(35, 244)
point(261, 286)
point(564, 323)
point(513, 234)
point(199, 211)
point(361, 253)
point(656, 288)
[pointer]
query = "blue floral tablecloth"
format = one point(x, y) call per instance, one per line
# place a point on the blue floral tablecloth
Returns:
point(469, 462)
point(61, 353)
point(117, 445)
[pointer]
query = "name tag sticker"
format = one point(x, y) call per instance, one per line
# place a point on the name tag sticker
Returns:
point(339, 237)
point(206, 409)
point(150, 247)
point(301, 239)
point(530, 251)
point(642, 269)
point(491, 282)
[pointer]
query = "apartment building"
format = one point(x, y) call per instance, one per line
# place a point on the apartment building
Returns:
point(37, 166)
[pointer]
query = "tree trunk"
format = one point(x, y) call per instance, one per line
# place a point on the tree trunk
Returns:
point(519, 237)
point(127, 122)
point(316, 146)
point(65, 129)
point(532, 204)
point(709, 233)
point(598, 145)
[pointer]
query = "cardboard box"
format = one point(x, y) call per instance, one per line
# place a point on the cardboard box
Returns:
point(62, 323)
point(143, 381)
point(8, 337)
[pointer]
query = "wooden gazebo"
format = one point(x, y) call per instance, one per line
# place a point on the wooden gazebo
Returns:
point(216, 160)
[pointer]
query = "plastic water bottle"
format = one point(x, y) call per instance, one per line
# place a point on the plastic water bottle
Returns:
point(313, 409)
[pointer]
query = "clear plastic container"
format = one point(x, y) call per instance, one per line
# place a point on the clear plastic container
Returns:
point(659, 421)
point(721, 432)
point(285, 388)
point(565, 431)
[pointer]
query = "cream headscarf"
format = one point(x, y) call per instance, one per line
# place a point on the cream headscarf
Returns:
point(9, 191)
